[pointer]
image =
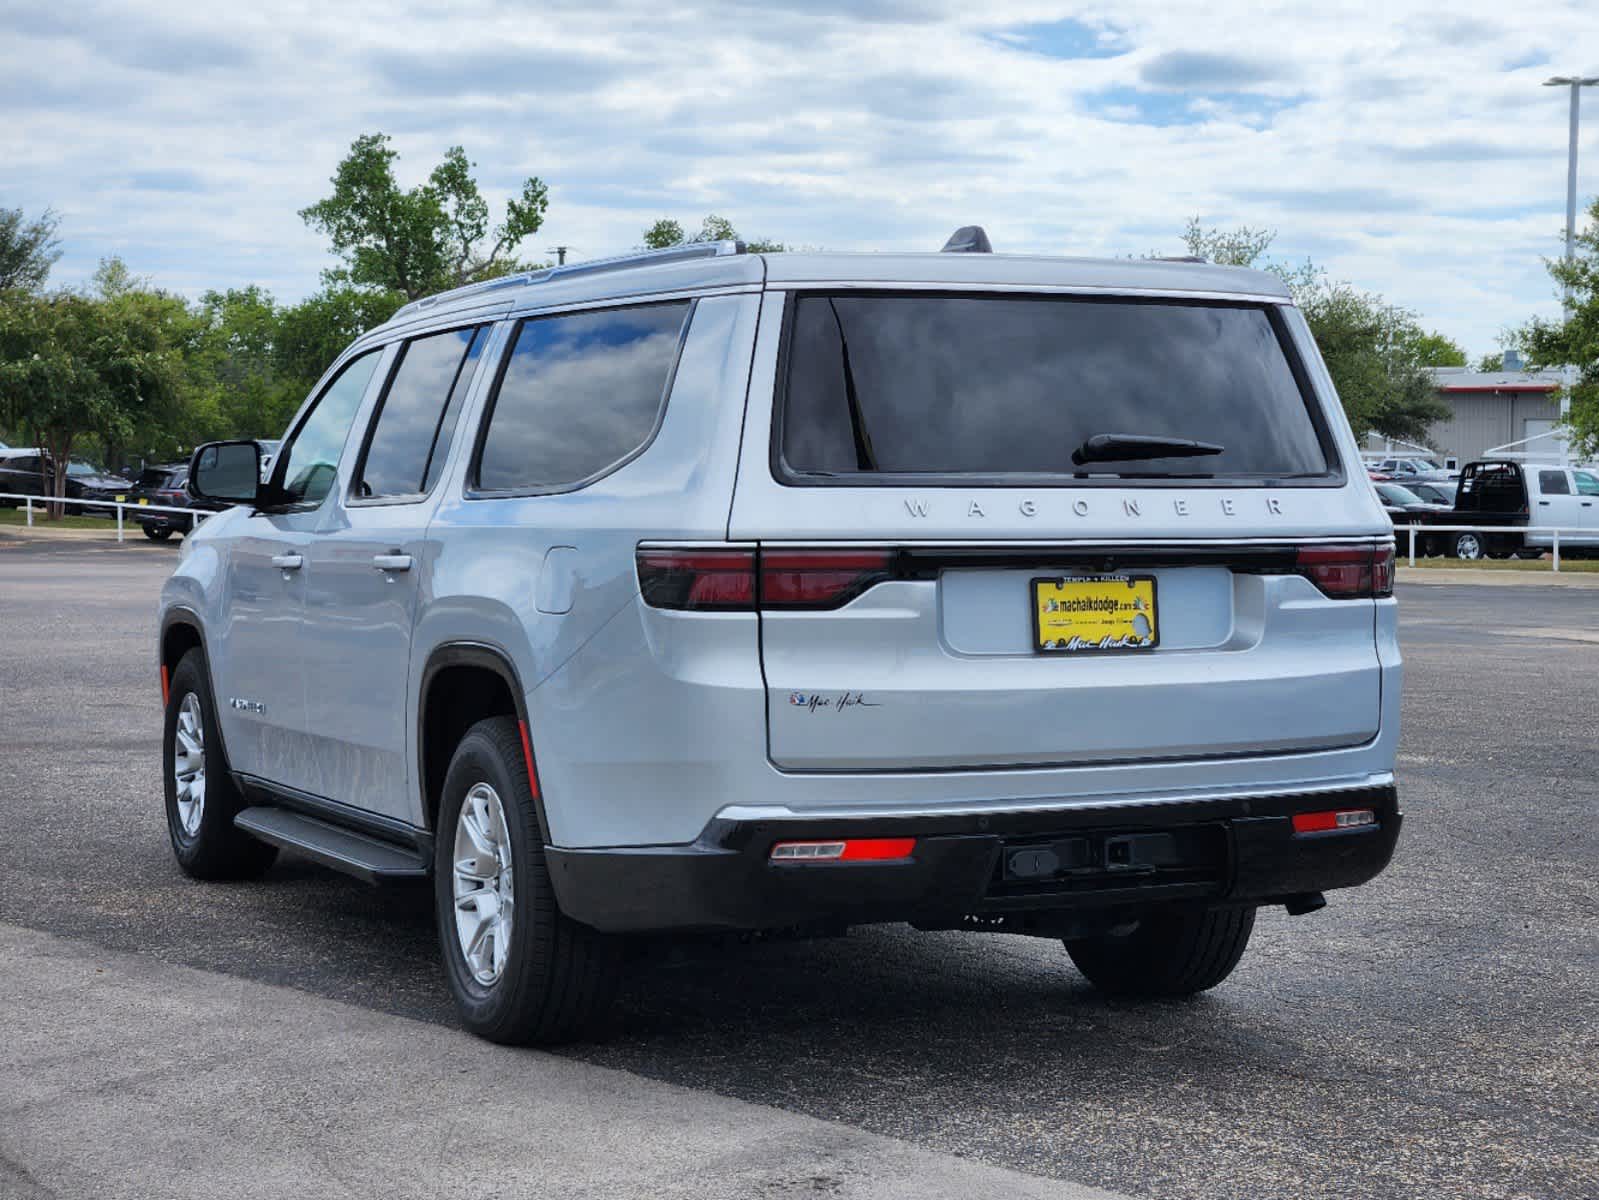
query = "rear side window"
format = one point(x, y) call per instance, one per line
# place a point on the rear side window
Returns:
point(416, 417)
point(1554, 483)
point(896, 388)
point(1587, 483)
point(581, 393)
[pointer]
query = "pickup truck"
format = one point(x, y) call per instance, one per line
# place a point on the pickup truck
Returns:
point(1520, 496)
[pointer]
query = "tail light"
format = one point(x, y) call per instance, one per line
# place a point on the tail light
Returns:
point(819, 578)
point(1349, 572)
point(701, 580)
point(735, 580)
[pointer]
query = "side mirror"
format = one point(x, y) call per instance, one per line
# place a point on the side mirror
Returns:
point(228, 472)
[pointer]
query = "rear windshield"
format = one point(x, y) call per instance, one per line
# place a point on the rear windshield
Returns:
point(882, 387)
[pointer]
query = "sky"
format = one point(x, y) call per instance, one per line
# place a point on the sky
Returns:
point(1408, 148)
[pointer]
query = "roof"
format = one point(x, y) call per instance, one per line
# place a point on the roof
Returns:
point(1464, 379)
point(714, 265)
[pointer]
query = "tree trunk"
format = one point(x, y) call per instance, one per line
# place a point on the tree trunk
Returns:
point(60, 451)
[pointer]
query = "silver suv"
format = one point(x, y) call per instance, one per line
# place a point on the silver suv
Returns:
point(703, 590)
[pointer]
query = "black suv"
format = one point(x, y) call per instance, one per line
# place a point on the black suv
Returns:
point(166, 487)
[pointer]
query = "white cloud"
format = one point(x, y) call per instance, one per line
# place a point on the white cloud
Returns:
point(1409, 148)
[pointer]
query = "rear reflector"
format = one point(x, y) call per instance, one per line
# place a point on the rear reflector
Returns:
point(725, 580)
point(852, 850)
point(166, 685)
point(1349, 572)
point(1323, 822)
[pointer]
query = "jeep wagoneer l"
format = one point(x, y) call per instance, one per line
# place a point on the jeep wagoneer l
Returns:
point(704, 590)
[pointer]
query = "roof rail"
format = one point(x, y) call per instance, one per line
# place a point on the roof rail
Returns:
point(620, 262)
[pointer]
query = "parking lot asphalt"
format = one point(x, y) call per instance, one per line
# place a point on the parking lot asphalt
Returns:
point(1435, 1033)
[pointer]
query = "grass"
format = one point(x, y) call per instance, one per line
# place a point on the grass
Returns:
point(1502, 564)
point(19, 516)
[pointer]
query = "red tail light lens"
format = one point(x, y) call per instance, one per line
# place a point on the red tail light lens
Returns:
point(844, 850)
point(1327, 822)
point(702, 580)
point(1349, 572)
point(725, 580)
point(819, 578)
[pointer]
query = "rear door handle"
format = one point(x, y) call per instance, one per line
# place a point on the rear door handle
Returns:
point(1543, 504)
point(392, 562)
point(287, 562)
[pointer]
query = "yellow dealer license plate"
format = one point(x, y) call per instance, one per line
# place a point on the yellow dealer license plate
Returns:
point(1094, 614)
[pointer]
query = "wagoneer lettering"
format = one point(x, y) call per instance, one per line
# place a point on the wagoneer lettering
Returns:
point(579, 599)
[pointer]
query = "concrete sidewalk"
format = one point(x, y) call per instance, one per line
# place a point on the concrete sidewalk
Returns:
point(123, 1076)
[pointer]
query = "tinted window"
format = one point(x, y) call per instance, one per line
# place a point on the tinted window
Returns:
point(1006, 386)
point(452, 410)
point(1587, 484)
point(580, 394)
point(407, 424)
point(313, 457)
point(1394, 494)
point(1553, 483)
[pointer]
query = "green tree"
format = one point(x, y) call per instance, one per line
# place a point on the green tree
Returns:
point(28, 249)
point(424, 239)
point(1491, 362)
point(314, 332)
point(1574, 340)
point(667, 233)
point(1436, 350)
point(1241, 247)
point(1377, 353)
point(75, 366)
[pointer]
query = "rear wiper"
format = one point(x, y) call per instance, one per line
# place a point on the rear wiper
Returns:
point(1121, 447)
point(865, 459)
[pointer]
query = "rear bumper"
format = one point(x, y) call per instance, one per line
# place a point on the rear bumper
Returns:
point(1239, 851)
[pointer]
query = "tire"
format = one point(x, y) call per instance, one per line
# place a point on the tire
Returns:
point(205, 841)
point(1468, 546)
point(1178, 952)
point(158, 533)
point(1529, 553)
point(551, 979)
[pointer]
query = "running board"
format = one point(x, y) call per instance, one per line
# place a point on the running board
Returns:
point(368, 858)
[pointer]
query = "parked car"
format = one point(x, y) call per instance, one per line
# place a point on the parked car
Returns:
point(1402, 503)
point(1406, 469)
point(1433, 491)
point(27, 472)
point(166, 487)
point(701, 590)
point(1406, 508)
point(1523, 499)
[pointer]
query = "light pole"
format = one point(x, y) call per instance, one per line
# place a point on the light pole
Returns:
point(1576, 83)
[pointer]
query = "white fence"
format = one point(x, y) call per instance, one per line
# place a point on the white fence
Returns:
point(1588, 536)
point(1413, 531)
point(31, 503)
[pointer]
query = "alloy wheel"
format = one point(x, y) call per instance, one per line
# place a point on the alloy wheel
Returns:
point(484, 892)
point(188, 764)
